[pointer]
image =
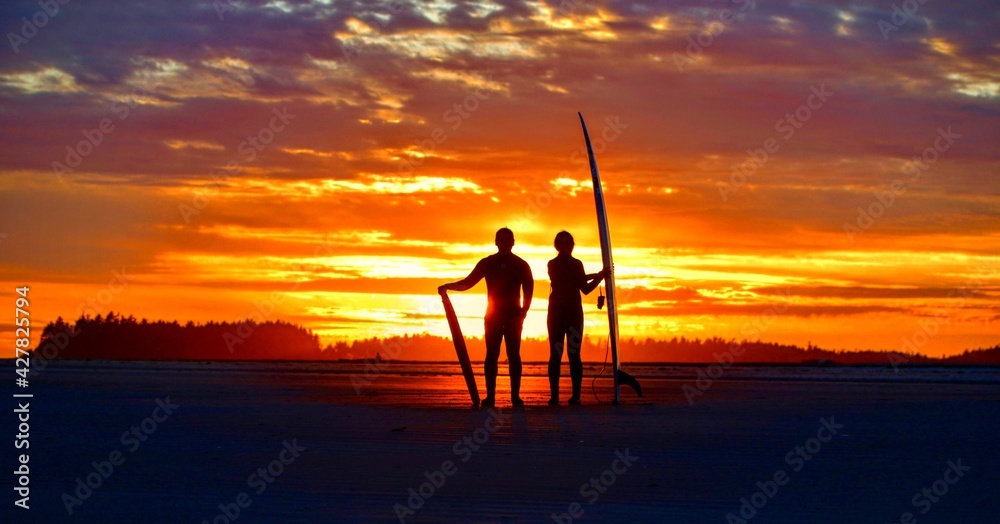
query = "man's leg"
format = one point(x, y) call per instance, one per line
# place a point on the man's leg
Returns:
point(512, 338)
point(492, 337)
point(575, 336)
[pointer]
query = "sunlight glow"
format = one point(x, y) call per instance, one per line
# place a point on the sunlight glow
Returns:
point(48, 80)
point(193, 144)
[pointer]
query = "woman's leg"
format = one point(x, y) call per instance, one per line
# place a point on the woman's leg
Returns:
point(556, 335)
point(575, 336)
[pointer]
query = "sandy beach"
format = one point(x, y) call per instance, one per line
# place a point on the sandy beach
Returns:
point(198, 442)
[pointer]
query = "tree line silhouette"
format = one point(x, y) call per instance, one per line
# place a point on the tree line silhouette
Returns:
point(122, 338)
point(118, 337)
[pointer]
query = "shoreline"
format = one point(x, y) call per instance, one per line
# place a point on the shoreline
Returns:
point(80, 363)
point(369, 371)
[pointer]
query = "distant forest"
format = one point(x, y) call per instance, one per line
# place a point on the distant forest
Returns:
point(125, 338)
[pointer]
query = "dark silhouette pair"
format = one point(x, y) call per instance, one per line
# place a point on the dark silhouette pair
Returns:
point(506, 276)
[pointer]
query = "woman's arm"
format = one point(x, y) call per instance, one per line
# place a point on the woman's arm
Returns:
point(592, 280)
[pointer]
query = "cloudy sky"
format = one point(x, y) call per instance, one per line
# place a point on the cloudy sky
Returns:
point(791, 171)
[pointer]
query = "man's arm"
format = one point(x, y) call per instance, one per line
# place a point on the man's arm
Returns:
point(477, 274)
point(529, 288)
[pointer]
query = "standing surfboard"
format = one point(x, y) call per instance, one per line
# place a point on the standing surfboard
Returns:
point(460, 348)
point(605, 232)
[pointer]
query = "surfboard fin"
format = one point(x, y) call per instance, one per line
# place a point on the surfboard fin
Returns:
point(625, 378)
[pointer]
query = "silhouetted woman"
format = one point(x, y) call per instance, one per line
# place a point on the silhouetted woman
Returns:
point(565, 320)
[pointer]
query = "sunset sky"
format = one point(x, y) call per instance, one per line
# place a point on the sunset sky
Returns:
point(333, 162)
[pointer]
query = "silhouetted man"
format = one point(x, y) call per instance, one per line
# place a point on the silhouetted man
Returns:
point(506, 274)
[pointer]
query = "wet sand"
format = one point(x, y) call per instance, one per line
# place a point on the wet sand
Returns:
point(872, 447)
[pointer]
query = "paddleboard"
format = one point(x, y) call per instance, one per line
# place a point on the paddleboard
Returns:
point(609, 283)
point(460, 348)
